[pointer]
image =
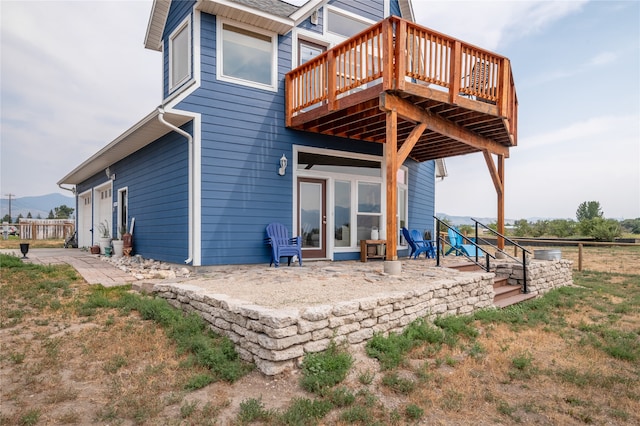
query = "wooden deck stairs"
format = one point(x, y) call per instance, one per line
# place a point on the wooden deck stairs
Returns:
point(505, 293)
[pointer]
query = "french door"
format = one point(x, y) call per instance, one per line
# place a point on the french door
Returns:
point(312, 217)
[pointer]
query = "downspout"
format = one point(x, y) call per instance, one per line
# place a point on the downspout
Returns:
point(191, 180)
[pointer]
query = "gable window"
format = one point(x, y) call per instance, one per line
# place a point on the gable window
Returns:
point(246, 56)
point(180, 55)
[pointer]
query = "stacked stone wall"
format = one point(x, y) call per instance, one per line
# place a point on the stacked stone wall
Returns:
point(542, 275)
point(274, 339)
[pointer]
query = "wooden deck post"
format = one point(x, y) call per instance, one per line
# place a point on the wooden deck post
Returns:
point(501, 201)
point(391, 154)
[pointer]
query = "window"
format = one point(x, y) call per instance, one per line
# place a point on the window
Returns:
point(342, 214)
point(341, 24)
point(180, 55)
point(369, 209)
point(246, 56)
point(308, 50)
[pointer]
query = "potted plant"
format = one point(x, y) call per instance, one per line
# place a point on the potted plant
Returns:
point(118, 243)
point(105, 237)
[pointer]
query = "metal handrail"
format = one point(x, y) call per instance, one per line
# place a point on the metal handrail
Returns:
point(488, 256)
point(486, 266)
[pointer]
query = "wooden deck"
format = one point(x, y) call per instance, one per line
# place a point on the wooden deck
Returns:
point(452, 98)
point(422, 93)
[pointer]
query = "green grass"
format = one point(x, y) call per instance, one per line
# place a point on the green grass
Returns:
point(325, 369)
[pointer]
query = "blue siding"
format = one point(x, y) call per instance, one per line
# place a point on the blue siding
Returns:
point(243, 137)
point(395, 8)
point(421, 195)
point(157, 181)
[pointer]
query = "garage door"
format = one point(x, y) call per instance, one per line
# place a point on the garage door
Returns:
point(84, 220)
point(103, 209)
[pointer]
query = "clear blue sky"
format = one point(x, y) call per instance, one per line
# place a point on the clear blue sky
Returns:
point(75, 75)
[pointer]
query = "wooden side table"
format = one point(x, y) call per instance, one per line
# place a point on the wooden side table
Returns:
point(369, 249)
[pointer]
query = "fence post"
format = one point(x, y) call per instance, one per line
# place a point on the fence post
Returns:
point(580, 257)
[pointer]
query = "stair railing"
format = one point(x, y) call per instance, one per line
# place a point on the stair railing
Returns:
point(474, 259)
point(507, 239)
point(487, 267)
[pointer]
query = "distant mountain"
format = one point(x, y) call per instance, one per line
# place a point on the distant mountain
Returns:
point(40, 205)
point(466, 220)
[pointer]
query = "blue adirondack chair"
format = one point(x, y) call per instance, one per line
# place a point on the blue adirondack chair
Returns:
point(417, 244)
point(282, 245)
point(459, 247)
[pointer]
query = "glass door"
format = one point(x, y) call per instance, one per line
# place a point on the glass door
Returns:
point(312, 217)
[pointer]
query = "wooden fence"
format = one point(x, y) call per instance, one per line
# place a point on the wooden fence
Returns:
point(45, 229)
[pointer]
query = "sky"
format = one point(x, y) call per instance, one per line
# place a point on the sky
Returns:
point(74, 75)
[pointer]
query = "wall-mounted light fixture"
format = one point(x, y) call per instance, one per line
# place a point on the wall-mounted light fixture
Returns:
point(283, 165)
point(314, 17)
point(107, 172)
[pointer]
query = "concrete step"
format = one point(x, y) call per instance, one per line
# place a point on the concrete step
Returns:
point(512, 300)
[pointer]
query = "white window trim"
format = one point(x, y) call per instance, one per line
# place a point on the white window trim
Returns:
point(274, 55)
point(336, 38)
point(186, 24)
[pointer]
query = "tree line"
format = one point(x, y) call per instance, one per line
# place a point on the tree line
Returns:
point(590, 223)
point(60, 212)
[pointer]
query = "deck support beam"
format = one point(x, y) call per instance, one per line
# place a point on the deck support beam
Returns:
point(411, 112)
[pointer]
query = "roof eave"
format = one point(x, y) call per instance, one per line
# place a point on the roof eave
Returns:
point(406, 9)
point(245, 14)
point(141, 134)
point(155, 27)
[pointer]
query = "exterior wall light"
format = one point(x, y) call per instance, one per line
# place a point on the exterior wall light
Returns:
point(283, 165)
point(111, 176)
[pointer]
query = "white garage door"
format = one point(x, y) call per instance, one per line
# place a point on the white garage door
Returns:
point(84, 220)
point(103, 200)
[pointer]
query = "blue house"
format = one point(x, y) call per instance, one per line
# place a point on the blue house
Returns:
point(326, 115)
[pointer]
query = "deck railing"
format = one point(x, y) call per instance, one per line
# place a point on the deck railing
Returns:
point(395, 51)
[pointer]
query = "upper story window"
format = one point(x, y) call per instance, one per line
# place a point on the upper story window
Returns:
point(246, 56)
point(344, 24)
point(180, 55)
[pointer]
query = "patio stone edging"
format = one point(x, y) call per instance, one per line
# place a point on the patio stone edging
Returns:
point(275, 339)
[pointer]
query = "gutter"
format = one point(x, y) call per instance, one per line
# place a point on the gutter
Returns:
point(73, 190)
point(189, 137)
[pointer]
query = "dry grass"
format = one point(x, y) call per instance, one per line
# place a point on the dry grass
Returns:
point(61, 364)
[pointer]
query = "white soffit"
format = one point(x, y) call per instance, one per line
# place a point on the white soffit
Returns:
point(246, 15)
point(157, 21)
point(140, 135)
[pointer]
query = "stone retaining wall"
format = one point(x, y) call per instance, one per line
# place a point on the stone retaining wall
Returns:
point(542, 275)
point(274, 339)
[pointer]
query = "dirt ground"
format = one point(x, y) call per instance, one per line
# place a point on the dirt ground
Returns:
point(61, 368)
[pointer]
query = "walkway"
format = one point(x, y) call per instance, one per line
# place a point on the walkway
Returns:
point(91, 267)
